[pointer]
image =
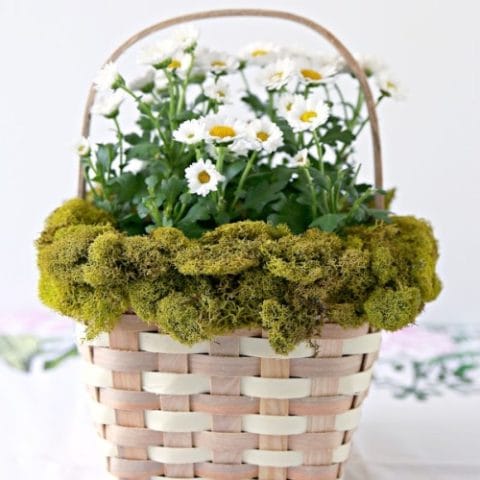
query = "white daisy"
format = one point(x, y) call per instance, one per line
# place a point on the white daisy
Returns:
point(389, 86)
point(284, 103)
point(148, 98)
point(218, 90)
point(307, 114)
point(158, 53)
point(186, 36)
point(190, 132)
point(180, 64)
point(278, 74)
point(264, 134)
point(217, 62)
point(371, 64)
point(143, 82)
point(242, 146)
point(161, 80)
point(315, 71)
point(259, 53)
point(82, 147)
point(280, 159)
point(300, 159)
point(108, 77)
point(108, 105)
point(221, 128)
point(202, 177)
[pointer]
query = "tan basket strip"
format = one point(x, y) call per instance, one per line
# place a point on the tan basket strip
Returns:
point(176, 363)
point(273, 368)
point(327, 405)
point(225, 381)
point(224, 404)
point(125, 337)
point(325, 367)
point(324, 472)
point(367, 362)
point(127, 400)
point(126, 469)
point(133, 437)
point(335, 331)
point(123, 361)
point(218, 471)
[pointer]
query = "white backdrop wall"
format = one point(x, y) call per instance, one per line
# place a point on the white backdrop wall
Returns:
point(51, 49)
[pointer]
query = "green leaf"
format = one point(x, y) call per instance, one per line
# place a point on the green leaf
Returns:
point(329, 222)
point(233, 169)
point(133, 138)
point(172, 187)
point(288, 136)
point(202, 209)
point(260, 195)
point(290, 213)
point(337, 134)
point(127, 186)
point(143, 151)
point(145, 123)
point(254, 103)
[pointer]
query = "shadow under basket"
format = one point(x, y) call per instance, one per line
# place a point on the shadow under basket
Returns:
point(230, 408)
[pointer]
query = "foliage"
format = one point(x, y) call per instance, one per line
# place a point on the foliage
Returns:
point(202, 155)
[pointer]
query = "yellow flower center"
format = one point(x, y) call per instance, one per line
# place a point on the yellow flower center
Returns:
point(263, 136)
point(259, 53)
point(174, 64)
point(308, 116)
point(277, 76)
point(222, 131)
point(311, 74)
point(203, 177)
point(218, 63)
point(288, 106)
point(391, 85)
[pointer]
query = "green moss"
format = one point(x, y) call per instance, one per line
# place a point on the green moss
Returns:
point(345, 314)
point(65, 257)
point(245, 274)
point(179, 316)
point(285, 329)
point(302, 258)
point(393, 309)
point(73, 212)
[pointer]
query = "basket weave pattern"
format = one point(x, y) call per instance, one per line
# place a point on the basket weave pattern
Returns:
point(229, 409)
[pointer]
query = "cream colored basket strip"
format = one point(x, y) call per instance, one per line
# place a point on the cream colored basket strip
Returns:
point(165, 421)
point(172, 455)
point(258, 387)
point(260, 347)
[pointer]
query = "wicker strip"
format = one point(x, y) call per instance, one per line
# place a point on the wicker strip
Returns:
point(210, 411)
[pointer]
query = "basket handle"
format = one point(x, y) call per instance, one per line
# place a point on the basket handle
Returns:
point(326, 34)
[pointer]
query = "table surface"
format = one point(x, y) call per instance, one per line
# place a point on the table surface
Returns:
point(420, 421)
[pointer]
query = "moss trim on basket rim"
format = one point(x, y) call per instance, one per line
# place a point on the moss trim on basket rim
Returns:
point(245, 274)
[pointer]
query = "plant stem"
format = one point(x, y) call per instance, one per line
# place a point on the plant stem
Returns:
point(321, 166)
point(120, 143)
point(243, 178)
point(181, 99)
point(245, 81)
point(342, 99)
point(312, 192)
point(319, 152)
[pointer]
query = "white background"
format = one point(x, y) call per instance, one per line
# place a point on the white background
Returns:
point(51, 49)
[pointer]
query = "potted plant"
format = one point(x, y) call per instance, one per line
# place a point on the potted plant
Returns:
point(231, 271)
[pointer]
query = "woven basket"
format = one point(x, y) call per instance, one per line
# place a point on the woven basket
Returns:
point(230, 408)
